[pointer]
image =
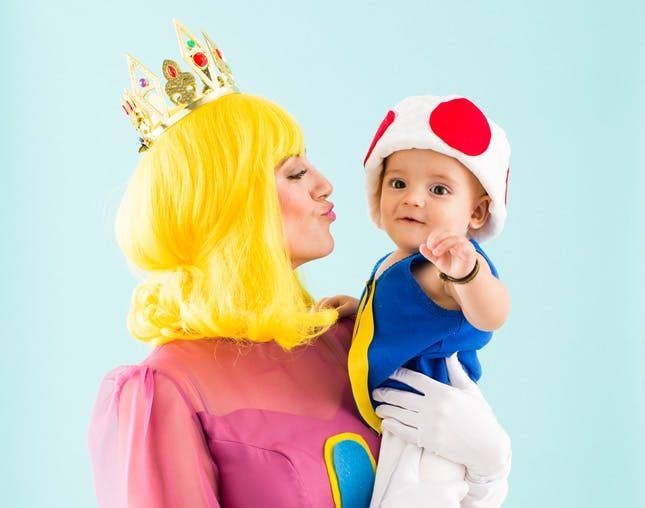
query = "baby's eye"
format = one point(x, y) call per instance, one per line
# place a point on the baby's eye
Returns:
point(397, 183)
point(439, 190)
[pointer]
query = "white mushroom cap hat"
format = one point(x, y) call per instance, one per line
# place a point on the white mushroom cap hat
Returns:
point(451, 125)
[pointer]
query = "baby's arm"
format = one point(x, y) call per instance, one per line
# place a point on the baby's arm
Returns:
point(484, 300)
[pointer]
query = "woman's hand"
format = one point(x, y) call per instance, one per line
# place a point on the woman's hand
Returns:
point(454, 421)
point(347, 306)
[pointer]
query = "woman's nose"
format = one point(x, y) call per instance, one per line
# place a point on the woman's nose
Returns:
point(323, 187)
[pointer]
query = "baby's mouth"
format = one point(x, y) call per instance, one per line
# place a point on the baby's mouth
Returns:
point(411, 220)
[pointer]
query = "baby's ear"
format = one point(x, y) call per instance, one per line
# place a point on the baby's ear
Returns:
point(480, 212)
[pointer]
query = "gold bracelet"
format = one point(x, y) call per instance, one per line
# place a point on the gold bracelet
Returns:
point(463, 280)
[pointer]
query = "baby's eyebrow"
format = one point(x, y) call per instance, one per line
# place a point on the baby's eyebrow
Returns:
point(438, 176)
point(393, 170)
point(444, 176)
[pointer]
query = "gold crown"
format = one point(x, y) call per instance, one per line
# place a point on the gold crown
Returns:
point(145, 104)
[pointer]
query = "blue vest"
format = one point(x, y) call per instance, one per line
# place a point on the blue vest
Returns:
point(410, 330)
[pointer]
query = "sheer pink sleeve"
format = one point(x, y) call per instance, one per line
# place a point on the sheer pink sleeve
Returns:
point(146, 444)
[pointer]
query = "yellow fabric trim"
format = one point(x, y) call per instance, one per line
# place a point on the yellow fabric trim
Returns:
point(329, 460)
point(357, 363)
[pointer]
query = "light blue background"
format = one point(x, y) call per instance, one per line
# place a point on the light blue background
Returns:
point(565, 374)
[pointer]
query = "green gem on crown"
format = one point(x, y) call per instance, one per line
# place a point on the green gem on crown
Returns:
point(190, 43)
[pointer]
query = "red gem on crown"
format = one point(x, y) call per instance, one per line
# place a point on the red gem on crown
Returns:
point(200, 60)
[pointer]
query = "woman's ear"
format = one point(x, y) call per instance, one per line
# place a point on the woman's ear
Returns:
point(480, 212)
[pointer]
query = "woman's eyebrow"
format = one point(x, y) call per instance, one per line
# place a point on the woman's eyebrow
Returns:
point(284, 160)
point(291, 156)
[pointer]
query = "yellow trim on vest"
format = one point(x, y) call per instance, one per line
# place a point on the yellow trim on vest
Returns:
point(357, 363)
point(329, 459)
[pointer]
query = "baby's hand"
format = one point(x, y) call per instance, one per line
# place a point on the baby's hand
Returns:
point(452, 254)
point(347, 306)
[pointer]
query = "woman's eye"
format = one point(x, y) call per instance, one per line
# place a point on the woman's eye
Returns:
point(439, 190)
point(397, 184)
point(298, 175)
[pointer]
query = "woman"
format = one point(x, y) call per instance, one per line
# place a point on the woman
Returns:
point(245, 399)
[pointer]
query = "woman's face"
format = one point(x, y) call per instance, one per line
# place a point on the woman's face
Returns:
point(306, 212)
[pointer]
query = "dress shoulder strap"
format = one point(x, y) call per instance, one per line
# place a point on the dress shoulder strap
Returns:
point(378, 263)
point(488, 260)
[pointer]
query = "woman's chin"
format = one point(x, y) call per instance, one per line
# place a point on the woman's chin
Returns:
point(330, 247)
point(323, 249)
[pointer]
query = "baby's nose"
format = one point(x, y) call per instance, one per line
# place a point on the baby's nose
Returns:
point(415, 197)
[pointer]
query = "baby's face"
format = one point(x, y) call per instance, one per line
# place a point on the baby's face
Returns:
point(425, 191)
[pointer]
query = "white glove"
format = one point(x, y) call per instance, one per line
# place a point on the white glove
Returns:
point(408, 476)
point(428, 495)
point(454, 421)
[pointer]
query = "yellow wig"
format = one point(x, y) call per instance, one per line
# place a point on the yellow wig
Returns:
point(201, 218)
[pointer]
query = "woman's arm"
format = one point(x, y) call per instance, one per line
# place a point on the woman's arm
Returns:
point(146, 444)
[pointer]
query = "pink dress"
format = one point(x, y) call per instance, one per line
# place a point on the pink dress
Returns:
point(215, 423)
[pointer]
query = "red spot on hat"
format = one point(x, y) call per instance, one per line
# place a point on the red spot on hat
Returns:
point(387, 121)
point(462, 126)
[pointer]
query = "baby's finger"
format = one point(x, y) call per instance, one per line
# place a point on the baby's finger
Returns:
point(445, 245)
point(427, 253)
point(436, 237)
point(463, 250)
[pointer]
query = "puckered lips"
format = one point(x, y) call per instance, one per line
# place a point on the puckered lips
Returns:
point(329, 212)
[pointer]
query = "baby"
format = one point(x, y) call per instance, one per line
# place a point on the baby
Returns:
point(437, 180)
